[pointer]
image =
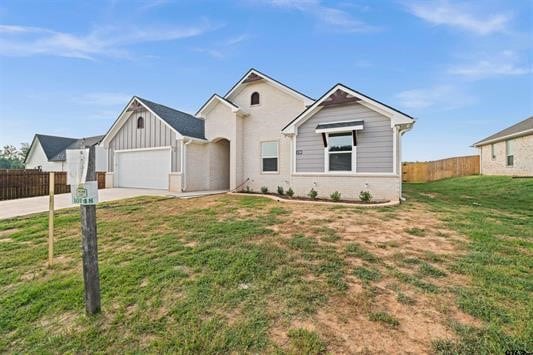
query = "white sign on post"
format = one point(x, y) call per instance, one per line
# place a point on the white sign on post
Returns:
point(83, 192)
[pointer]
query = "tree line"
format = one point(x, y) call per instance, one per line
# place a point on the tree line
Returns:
point(12, 157)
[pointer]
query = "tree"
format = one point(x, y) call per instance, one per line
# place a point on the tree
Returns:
point(24, 150)
point(12, 158)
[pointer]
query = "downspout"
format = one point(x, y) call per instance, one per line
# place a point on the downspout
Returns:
point(400, 134)
point(184, 165)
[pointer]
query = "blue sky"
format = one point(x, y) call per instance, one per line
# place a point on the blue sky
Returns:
point(463, 69)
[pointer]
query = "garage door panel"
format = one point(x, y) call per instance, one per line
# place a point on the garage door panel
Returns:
point(144, 168)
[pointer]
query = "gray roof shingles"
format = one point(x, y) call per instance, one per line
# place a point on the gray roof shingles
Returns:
point(521, 126)
point(77, 144)
point(186, 124)
point(55, 147)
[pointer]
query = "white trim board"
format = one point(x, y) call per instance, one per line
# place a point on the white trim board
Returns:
point(206, 106)
point(237, 87)
point(395, 117)
point(122, 119)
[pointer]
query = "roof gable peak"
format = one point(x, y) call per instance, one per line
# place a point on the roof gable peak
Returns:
point(254, 75)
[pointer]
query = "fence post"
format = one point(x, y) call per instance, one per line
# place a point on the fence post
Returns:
point(51, 220)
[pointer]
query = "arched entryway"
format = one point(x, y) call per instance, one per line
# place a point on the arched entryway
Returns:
point(219, 164)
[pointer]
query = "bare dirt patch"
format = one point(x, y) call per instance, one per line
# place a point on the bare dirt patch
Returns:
point(344, 321)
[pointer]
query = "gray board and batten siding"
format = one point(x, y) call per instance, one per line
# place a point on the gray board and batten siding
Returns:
point(374, 141)
point(155, 133)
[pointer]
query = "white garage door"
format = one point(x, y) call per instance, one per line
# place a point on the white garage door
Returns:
point(147, 169)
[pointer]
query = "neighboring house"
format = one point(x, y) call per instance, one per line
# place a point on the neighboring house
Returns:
point(48, 153)
point(508, 152)
point(261, 133)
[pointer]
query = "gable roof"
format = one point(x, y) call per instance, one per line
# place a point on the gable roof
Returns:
point(52, 145)
point(343, 94)
point(521, 128)
point(255, 75)
point(77, 144)
point(218, 98)
point(184, 123)
point(55, 147)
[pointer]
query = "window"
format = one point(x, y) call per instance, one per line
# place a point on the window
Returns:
point(509, 153)
point(140, 122)
point(339, 150)
point(254, 99)
point(492, 152)
point(269, 157)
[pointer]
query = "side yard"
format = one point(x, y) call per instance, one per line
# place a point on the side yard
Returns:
point(449, 271)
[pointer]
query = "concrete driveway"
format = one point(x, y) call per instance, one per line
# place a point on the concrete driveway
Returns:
point(30, 205)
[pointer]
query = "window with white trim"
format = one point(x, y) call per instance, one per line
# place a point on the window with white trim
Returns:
point(269, 157)
point(340, 151)
point(492, 151)
point(509, 152)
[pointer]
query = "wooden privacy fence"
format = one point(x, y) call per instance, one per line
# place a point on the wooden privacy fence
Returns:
point(18, 183)
point(440, 169)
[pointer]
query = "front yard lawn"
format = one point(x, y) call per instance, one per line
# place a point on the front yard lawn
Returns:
point(449, 271)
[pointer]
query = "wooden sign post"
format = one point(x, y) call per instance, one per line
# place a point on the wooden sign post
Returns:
point(51, 220)
point(89, 246)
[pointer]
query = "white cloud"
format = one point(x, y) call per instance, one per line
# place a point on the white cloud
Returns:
point(445, 97)
point(506, 63)
point(443, 12)
point(103, 41)
point(329, 17)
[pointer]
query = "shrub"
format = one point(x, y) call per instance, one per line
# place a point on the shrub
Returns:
point(264, 189)
point(312, 194)
point(290, 192)
point(280, 190)
point(248, 190)
point(365, 196)
point(336, 196)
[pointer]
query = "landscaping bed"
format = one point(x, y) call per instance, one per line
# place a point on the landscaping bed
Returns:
point(375, 203)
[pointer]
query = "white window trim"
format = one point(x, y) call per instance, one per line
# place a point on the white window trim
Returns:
point(269, 156)
point(353, 152)
point(492, 152)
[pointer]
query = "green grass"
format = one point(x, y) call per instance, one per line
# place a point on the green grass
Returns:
point(496, 215)
point(367, 274)
point(426, 269)
point(418, 232)
point(303, 341)
point(201, 280)
point(384, 318)
point(216, 277)
point(404, 299)
point(355, 250)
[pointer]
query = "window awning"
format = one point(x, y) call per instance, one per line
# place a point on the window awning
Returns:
point(339, 127)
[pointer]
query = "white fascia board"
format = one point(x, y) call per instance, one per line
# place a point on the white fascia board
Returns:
point(208, 106)
point(122, 119)
point(395, 117)
point(236, 88)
